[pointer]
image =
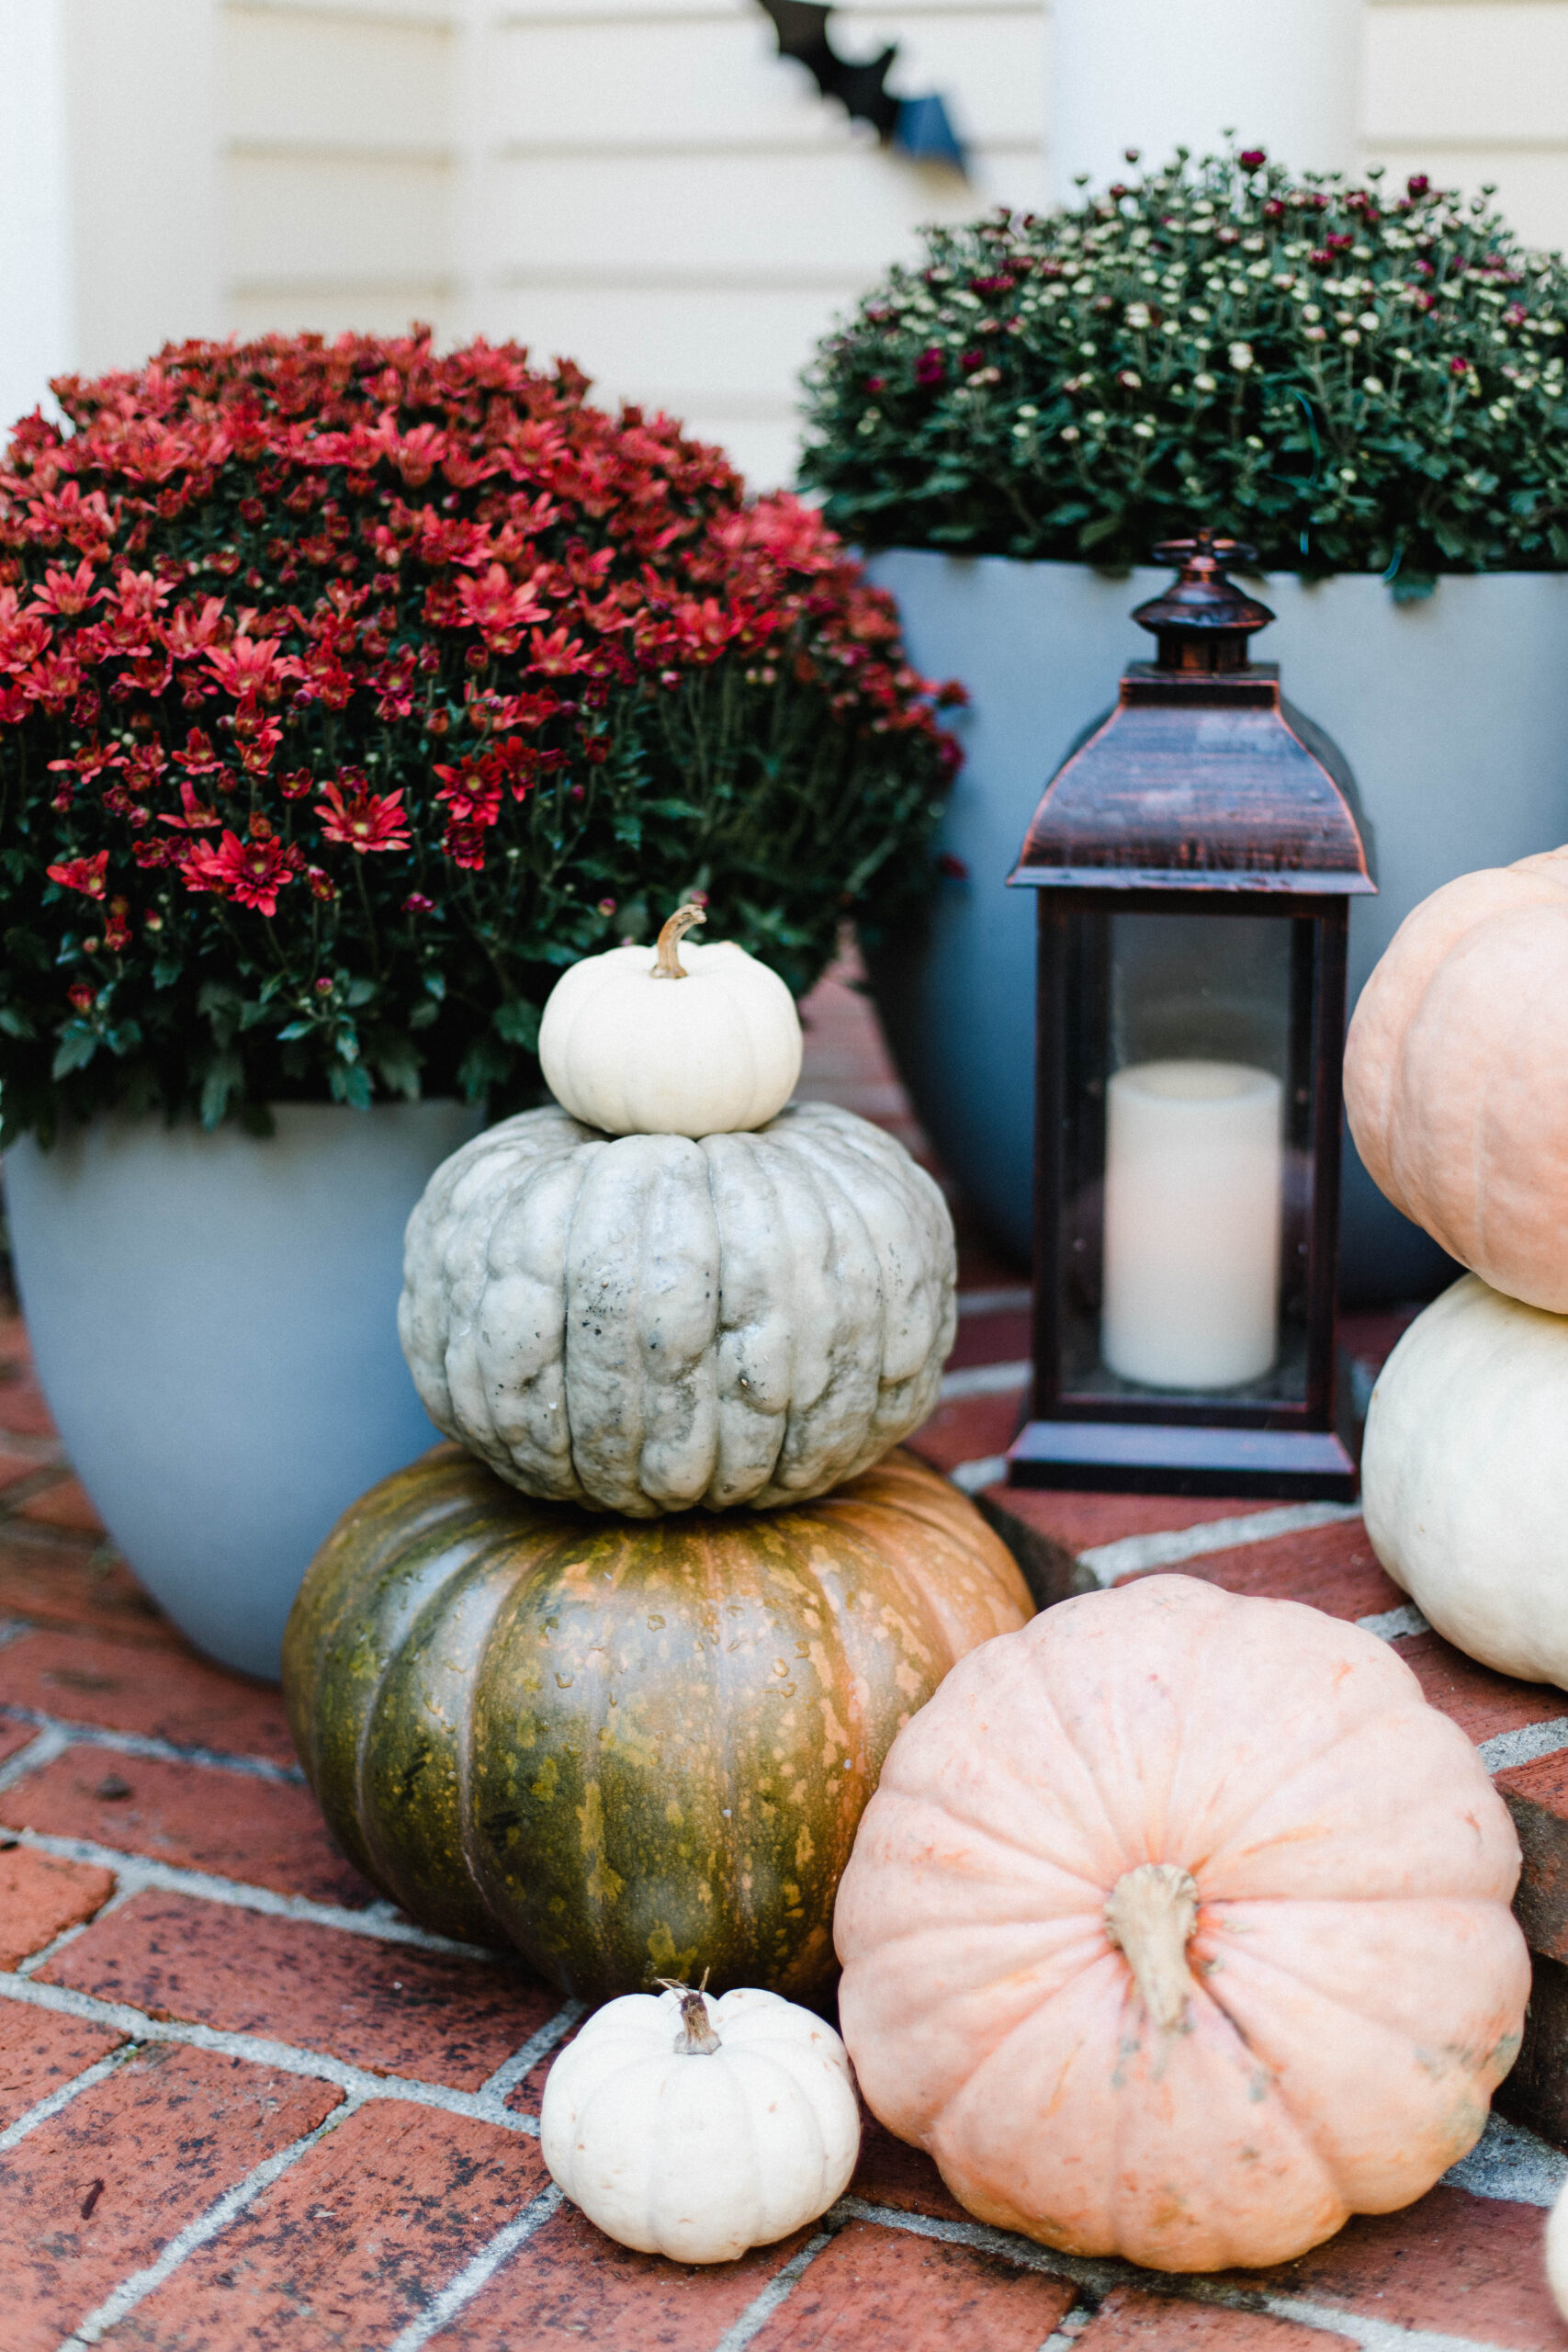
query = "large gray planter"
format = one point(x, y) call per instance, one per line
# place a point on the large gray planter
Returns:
point(1452, 711)
point(215, 1324)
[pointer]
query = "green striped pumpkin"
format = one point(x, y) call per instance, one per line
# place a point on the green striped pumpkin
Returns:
point(637, 1749)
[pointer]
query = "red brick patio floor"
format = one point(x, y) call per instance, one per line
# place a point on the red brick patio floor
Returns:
point(245, 2104)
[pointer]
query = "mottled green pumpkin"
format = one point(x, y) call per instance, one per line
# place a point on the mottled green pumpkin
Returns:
point(637, 1749)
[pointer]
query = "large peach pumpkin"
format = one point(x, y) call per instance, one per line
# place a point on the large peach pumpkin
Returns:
point(1179, 1928)
point(1455, 1074)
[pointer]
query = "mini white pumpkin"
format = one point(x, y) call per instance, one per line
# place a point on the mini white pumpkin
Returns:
point(641, 1044)
point(1464, 1476)
point(653, 1323)
point(1557, 2253)
point(696, 2128)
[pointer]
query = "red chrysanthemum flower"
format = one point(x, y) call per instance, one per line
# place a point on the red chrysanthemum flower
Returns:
point(364, 822)
point(84, 874)
point(253, 872)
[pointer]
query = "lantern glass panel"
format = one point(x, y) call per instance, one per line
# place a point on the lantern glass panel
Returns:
point(1188, 1152)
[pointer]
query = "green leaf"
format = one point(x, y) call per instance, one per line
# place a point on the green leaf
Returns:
point(671, 808)
point(398, 1065)
point(78, 1044)
point(483, 1065)
point(224, 1075)
point(14, 1023)
point(351, 1085)
point(295, 1029)
point(518, 1023)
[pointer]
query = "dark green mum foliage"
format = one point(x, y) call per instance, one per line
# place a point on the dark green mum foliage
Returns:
point(349, 691)
point(1352, 379)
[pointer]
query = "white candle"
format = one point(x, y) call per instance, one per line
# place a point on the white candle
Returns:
point(1192, 1188)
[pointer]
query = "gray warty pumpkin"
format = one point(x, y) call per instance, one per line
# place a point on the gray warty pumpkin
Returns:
point(651, 1323)
point(638, 1750)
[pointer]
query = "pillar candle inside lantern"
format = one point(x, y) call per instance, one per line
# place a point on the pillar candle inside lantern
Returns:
point(1193, 1168)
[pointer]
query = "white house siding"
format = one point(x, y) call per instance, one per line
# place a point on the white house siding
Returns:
point(642, 184)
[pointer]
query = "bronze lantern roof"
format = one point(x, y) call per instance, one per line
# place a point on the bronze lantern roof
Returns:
point(1203, 776)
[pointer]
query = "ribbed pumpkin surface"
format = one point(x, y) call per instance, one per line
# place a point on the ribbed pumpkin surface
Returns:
point(636, 1749)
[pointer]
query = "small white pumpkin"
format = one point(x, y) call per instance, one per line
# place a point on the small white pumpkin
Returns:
point(1557, 2253)
point(1464, 1476)
point(695, 2128)
point(636, 1046)
point(654, 1323)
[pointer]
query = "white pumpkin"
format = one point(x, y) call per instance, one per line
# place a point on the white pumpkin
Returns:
point(640, 1044)
point(1557, 2253)
point(696, 2128)
point(653, 1323)
point(1464, 1476)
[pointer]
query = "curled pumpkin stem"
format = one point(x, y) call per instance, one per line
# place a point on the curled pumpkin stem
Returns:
point(697, 2038)
point(667, 965)
point(1150, 1914)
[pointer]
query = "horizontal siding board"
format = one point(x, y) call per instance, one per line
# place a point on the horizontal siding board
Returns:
point(323, 221)
point(1532, 188)
point(653, 85)
point(742, 352)
point(367, 86)
point(386, 310)
point(1496, 71)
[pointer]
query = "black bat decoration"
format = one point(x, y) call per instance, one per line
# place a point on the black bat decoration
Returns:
point(917, 126)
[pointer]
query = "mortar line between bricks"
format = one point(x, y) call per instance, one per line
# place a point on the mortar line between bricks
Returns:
point(777, 2291)
point(507, 2076)
point(50, 1743)
point(1131, 1554)
point(1101, 2274)
point(33, 1960)
point(461, 2290)
point(13, 1629)
point(138, 1743)
point(134, 2289)
point(98, 2072)
point(256, 2050)
point(1072, 2325)
point(141, 1873)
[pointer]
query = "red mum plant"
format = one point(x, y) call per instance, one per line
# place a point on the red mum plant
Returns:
point(495, 677)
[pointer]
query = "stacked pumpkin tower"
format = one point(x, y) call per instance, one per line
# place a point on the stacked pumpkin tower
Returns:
point(618, 1679)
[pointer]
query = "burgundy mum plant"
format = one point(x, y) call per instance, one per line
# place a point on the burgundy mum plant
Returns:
point(347, 691)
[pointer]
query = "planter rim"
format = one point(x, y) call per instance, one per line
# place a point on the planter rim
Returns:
point(1255, 571)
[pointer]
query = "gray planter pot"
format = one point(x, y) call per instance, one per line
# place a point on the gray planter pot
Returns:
point(214, 1321)
point(1453, 713)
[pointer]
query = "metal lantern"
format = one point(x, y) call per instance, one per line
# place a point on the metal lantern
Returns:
point(1195, 855)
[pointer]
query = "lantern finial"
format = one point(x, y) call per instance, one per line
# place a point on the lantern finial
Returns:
point(1203, 620)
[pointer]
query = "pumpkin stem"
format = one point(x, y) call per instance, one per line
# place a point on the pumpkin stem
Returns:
point(1150, 1914)
point(668, 965)
point(696, 2038)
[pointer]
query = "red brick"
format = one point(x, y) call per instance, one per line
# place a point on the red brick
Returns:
point(1333, 1568)
point(387, 2006)
point(968, 1430)
point(1131, 2321)
point(875, 2286)
point(572, 2283)
point(166, 2134)
point(1078, 1522)
point(13, 1340)
point(1537, 1796)
point(171, 1694)
point(1002, 1338)
point(891, 2173)
point(65, 1502)
point(14, 1737)
point(1480, 1702)
point(1456, 2265)
point(40, 1896)
point(22, 1407)
point(194, 1816)
point(40, 2051)
point(352, 2242)
point(75, 1584)
point(24, 1458)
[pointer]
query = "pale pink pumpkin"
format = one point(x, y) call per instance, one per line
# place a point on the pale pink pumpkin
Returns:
point(1455, 1074)
point(1179, 1928)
